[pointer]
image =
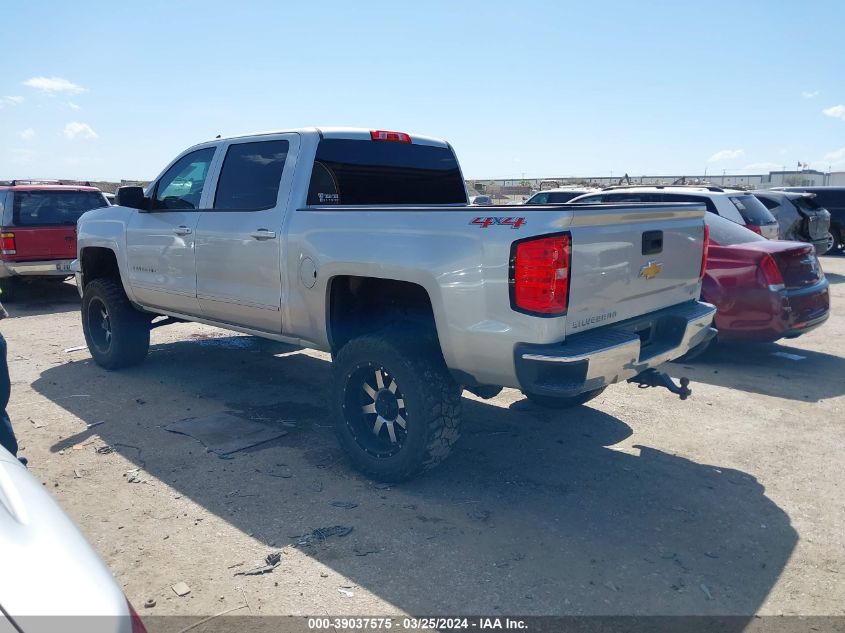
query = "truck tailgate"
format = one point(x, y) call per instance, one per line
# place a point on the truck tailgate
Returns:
point(630, 261)
point(36, 243)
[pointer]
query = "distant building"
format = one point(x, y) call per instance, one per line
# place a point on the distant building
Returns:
point(793, 178)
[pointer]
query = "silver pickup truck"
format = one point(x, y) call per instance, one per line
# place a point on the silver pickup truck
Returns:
point(361, 243)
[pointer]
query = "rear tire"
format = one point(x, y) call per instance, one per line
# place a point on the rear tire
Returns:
point(117, 334)
point(836, 247)
point(563, 402)
point(8, 286)
point(397, 408)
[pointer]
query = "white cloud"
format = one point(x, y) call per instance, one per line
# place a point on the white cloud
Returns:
point(28, 134)
point(53, 85)
point(75, 129)
point(73, 106)
point(761, 167)
point(810, 95)
point(726, 154)
point(22, 156)
point(10, 100)
point(837, 112)
point(836, 155)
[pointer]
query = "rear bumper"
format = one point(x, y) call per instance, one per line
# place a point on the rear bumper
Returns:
point(48, 268)
point(613, 353)
point(787, 313)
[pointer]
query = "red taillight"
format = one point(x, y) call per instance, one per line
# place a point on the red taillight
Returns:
point(540, 274)
point(137, 624)
point(704, 251)
point(755, 228)
point(7, 244)
point(771, 273)
point(384, 135)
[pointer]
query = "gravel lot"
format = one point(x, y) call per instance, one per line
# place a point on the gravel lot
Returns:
point(729, 503)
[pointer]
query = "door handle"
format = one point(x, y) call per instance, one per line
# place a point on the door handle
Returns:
point(263, 234)
point(182, 230)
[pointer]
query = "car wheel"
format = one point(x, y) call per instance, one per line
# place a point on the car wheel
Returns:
point(563, 402)
point(835, 243)
point(397, 408)
point(830, 244)
point(8, 287)
point(117, 334)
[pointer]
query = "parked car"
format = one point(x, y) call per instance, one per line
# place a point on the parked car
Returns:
point(368, 250)
point(800, 217)
point(763, 290)
point(109, 197)
point(558, 195)
point(79, 592)
point(832, 199)
point(737, 206)
point(481, 200)
point(38, 230)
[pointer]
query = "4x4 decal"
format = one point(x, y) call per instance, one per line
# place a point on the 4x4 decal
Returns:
point(514, 223)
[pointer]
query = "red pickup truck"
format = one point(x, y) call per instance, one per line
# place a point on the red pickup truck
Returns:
point(38, 230)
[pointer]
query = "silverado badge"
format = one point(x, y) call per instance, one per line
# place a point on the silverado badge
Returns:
point(651, 270)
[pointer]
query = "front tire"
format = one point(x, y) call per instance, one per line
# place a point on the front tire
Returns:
point(397, 409)
point(563, 402)
point(117, 334)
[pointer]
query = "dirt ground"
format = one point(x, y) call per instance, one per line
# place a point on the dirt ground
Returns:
point(729, 503)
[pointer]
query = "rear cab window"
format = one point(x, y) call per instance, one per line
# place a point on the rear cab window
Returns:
point(53, 208)
point(752, 210)
point(365, 172)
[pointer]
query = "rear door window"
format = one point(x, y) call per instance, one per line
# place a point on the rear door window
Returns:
point(540, 198)
point(594, 199)
point(769, 203)
point(250, 176)
point(752, 210)
point(633, 196)
point(362, 172)
point(44, 208)
point(682, 197)
point(557, 197)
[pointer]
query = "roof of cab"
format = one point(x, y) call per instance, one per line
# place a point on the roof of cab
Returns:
point(47, 188)
point(352, 133)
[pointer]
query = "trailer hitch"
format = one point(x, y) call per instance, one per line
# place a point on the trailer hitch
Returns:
point(654, 378)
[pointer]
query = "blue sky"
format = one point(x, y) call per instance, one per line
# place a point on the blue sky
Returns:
point(115, 90)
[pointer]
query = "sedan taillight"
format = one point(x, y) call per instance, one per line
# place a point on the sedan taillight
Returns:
point(755, 228)
point(771, 273)
point(539, 275)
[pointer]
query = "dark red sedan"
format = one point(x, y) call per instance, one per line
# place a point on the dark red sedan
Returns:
point(763, 289)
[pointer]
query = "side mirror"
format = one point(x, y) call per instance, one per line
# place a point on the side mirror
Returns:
point(132, 197)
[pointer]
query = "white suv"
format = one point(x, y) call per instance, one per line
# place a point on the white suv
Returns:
point(738, 206)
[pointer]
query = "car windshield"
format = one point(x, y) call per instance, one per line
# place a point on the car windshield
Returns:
point(726, 233)
point(752, 210)
point(41, 208)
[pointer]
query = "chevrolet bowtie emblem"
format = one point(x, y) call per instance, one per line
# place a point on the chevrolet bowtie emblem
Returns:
point(651, 270)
